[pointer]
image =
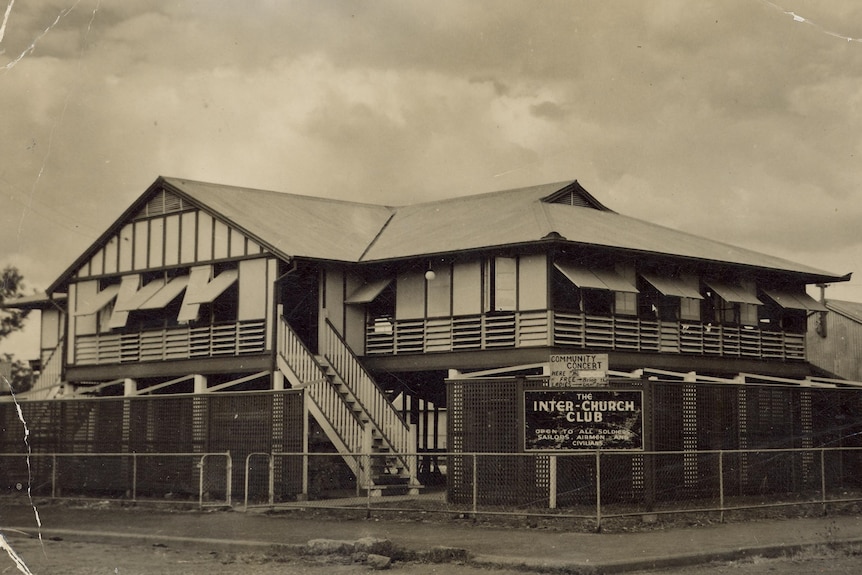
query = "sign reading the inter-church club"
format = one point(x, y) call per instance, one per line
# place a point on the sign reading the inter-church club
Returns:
point(579, 370)
point(583, 419)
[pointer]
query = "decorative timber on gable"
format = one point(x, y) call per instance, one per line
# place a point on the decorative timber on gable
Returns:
point(167, 231)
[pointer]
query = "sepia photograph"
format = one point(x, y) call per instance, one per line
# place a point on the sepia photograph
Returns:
point(465, 286)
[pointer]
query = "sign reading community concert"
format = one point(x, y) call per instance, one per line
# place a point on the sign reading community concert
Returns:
point(582, 419)
point(579, 370)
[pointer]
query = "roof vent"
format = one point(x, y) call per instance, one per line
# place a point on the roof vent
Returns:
point(163, 202)
point(577, 196)
point(571, 198)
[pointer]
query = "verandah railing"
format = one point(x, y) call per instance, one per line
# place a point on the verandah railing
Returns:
point(184, 342)
point(385, 336)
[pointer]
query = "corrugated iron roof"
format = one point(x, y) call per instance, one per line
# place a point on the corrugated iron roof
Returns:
point(305, 226)
point(849, 309)
point(520, 216)
point(293, 225)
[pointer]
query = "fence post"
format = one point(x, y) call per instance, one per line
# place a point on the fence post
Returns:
point(53, 476)
point(305, 475)
point(823, 478)
point(721, 485)
point(201, 481)
point(229, 478)
point(598, 491)
point(271, 485)
point(413, 459)
point(134, 476)
point(367, 446)
point(246, 473)
point(552, 482)
point(475, 485)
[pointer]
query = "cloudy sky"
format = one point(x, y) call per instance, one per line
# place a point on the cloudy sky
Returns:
point(740, 120)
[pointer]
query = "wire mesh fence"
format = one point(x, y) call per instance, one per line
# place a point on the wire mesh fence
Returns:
point(204, 479)
point(592, 486)
point(586, 485)
point(146, 447)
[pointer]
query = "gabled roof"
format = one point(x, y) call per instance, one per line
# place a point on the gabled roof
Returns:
point(526, 215)
point(849, 309)
point(292, 225)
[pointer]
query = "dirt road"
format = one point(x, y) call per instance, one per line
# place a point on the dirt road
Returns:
point(74, 558)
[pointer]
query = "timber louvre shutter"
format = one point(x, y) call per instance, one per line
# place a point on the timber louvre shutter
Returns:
point(571, 198)
point(162, 203)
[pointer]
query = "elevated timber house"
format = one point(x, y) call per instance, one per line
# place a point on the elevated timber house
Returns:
point(392, 323)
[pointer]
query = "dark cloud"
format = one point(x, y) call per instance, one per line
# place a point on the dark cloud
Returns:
point(729, 119)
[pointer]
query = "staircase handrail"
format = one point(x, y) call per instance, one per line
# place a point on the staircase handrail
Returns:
point(381, 411)
point(51, 375)
point(306, 368)
point(297, 355)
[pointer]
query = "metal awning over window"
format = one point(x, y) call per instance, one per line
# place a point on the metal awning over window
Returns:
point(790, 300)
point(368, 292)
point(203, 288)
point(92, 304)
point(733, 293)
point(677, 287)
point(595, 278)
point(132, 296)
point(167, 294)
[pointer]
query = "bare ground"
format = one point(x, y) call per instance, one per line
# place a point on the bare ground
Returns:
point(76, 558)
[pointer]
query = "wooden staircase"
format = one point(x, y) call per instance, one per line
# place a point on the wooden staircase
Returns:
point(49, 384)
point(371, 436)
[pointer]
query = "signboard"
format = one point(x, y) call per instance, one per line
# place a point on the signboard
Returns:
point(579, 370)
point(583, 419)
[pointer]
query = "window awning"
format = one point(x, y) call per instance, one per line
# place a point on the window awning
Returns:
point(594, 278)
point(132, 296)
point(733, 293)
point(92, 304)
point(203, 288)
point(677, 287)
point(167, 294)
point(368, 292)
point(789, 300)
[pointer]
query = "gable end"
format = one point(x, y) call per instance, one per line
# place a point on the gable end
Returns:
point(163, 202)
point(575, 195)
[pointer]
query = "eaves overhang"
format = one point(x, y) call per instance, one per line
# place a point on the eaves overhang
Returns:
point(555, 241)
point(160, 183)
point(36, 301)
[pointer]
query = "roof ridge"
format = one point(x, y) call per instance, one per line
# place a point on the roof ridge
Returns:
point(178, 182)
point(486, 194)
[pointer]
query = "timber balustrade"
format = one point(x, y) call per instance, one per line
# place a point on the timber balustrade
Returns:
point(386, 336)
point(310, 375)
point(48, 384)
point(331, 404)
point(385, 417)
point(184, 342)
